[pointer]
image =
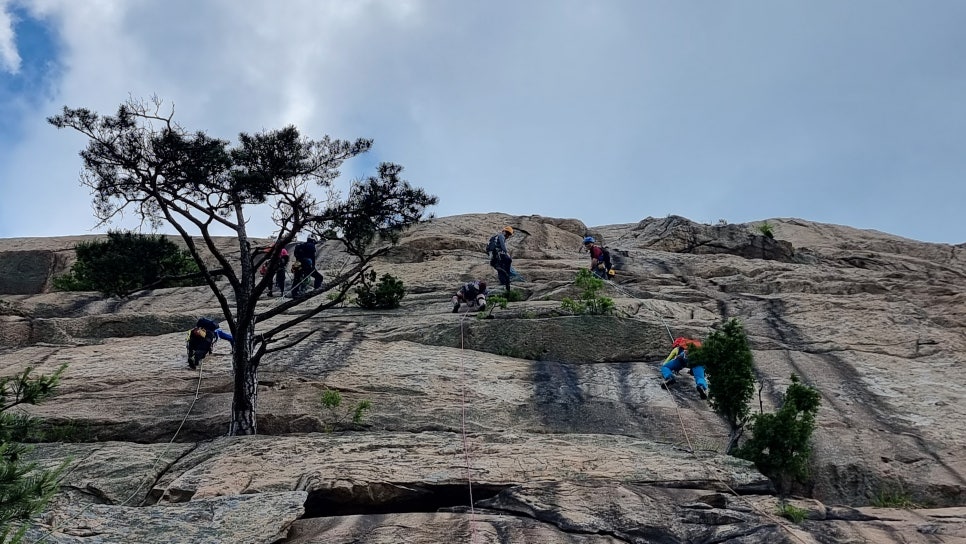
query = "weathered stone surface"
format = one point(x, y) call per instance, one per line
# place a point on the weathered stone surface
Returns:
point(635, 513)
point(922, 526)
point(252, 519)
point(113, 473)
point(423, 528)
point(387, 464)
point(874, 321)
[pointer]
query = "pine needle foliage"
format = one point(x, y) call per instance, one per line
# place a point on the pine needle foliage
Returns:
point(24, 490)
point(589, 301)
point(727, 358)
point(779, 445)
point(128, 261)
point(384, 295)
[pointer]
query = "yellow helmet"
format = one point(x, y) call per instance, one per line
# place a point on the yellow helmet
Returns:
point(508, 229)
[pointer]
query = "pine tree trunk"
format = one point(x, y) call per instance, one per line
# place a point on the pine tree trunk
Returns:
point(733, 436)
point(245, 399)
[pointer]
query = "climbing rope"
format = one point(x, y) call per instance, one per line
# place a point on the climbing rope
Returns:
point(167, 447)
point(684, 429)
point(466, 449)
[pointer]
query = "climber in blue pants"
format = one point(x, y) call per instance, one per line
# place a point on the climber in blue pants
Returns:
point(678, 360)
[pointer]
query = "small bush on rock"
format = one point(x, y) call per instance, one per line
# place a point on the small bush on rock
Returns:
point(589, 302)
point(766, 230)
point(126, 262)
point(894, 496)
point(791, 512)
point(514, 295)
point(335, 419)
point(384, 295)
point(779, 445)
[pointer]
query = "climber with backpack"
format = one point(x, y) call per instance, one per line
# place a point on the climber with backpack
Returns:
point(199, 345)
point(305, 259)
point(215, 331)
point(202, 338)
point(500, 256)
point(473, 294)
point(279, 280)
point(678, 360)
point(600, 263)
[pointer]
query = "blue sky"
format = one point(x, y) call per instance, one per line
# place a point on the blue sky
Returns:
point(851, 113)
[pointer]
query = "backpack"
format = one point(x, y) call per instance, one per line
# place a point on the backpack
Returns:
point(198, 338)
point(470, 290)
point(304, 251)
point(206, 324)
point(682, 342)
point(492, 244)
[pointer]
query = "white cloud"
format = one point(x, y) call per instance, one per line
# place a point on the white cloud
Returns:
point(9, 57)
point(604, 111)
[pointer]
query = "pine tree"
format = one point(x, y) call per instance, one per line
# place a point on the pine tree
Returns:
point(24, 490)
point(727, 358)
point(779, 445)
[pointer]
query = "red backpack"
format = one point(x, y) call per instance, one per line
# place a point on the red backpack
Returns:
point(685, 343)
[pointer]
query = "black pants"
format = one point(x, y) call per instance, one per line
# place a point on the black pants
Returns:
point(502, 264)
point(280, 280)
point(196, 355)
point(300, 282)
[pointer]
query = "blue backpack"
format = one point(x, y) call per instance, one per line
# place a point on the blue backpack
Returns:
point(207, 324)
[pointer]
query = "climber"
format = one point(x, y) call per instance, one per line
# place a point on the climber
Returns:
point(215, 332)
point(199, 345)
point(500, 256)
point(473, 294)
point(279, 280)
point(678, 359)
point(600, 263)
point(305, 258)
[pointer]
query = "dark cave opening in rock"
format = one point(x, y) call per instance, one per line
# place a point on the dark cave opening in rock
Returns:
point(385, 498)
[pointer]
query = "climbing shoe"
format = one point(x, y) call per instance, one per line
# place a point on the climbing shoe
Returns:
point(666, 384)
point(456, 307)
point(702, 392)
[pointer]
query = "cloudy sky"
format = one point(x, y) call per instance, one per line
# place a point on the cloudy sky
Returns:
point(848, 112)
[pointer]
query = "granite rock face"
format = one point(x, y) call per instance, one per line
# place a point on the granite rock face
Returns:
point(556, 425)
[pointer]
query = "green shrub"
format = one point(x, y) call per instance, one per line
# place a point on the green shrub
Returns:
point(126, 262)
point(334, 419)
point(779, 445)
point(24, 490)
point(589, 301)
point(727, 358)
point(384, 295)
point(893, 496)
point(766, 230)
point(791, 512)
point(493, 302)
point(514, 295)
